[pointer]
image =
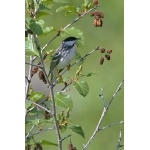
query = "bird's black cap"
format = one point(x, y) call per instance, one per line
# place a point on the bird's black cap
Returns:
point(71, 38)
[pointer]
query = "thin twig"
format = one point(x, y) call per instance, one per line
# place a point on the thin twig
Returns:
point(112, 124)
point(29, 78)
point(33, 65)
point(43, 130)
point(105, 109)
point(76, 62)
point(114, 95)
point(30, 131)
point(79, 17)
point(33, 126)
point(42, 107)
point(119, 140)
point(66, 137)
point(102, 97)
point(38, 105)
point(81, 59)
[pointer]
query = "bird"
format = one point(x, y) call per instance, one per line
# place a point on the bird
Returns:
point(62, 57)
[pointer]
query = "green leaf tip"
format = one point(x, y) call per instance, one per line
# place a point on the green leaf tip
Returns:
point(77, 129)
point(82, 87)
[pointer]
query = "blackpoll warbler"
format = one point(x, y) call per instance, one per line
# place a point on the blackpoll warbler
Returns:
point(62, 57)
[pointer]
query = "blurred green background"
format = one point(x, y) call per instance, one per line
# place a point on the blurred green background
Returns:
point(86, 111)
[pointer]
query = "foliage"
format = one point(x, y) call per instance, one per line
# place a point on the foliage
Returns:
point(52, 112)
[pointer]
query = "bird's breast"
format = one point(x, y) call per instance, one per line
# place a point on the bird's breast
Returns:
point(66, 58)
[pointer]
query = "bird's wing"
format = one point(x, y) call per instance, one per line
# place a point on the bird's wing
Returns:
point(55, 60)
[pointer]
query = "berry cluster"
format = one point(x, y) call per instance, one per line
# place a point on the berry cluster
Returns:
point(107, 55)
point(97, 22)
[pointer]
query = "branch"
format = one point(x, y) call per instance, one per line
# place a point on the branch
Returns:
point(27, 136)
point(43, 130)
point(29, 78)
point(33, 65)
point(66, 137)
point(112, 124)
point(51, 94)
point(119, 140)
point(105, 109)
point(114, 95)
point(76, 62)
point(41, 107)
point(81, 59)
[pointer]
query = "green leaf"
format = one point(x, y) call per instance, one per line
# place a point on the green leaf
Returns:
point(82, 87)
point(47, 3)
point(77, 129)
point(27, 104)
point(32, 112)
point(36, 26)
point(90, 74)
point(69, 13)
point(73, 32)
point(63, 129)
point(63, 101)
point(67, 8)
point(43, 7)
point(36, 96)
point(47, 30)
point(30, 48)
point(41, 14)
point(27, 22)
point(44, 142)
point(61, 1)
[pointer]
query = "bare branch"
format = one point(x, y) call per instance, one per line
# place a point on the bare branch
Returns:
point(42, 107)
point(112, 124)
point(40, 131)
point(105, 109)
point(114, 95)
point(33, 65)
point(102, 97)
point(119, 139)
point(66, 137)
point(27, 136)
point(81, 59)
